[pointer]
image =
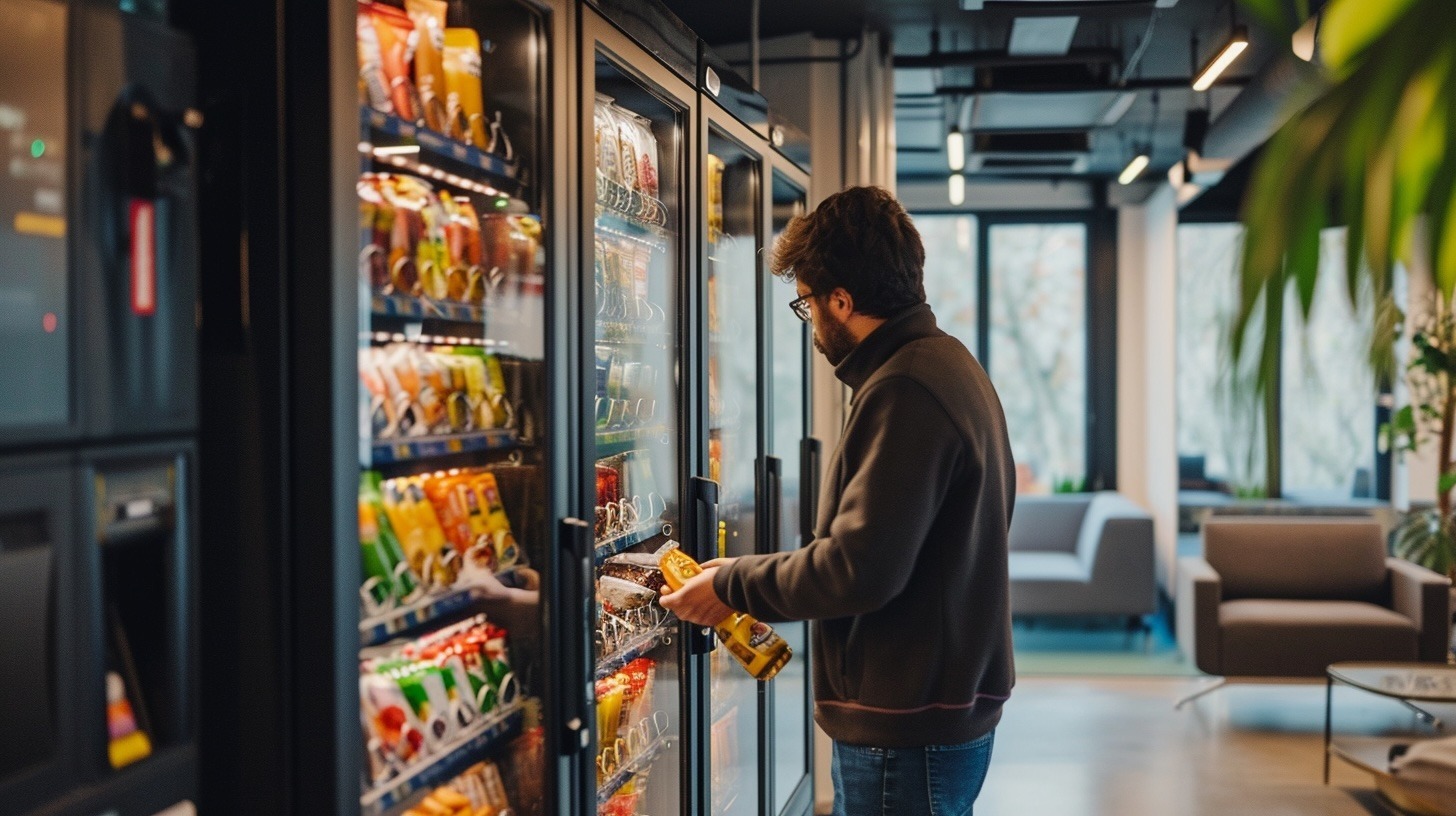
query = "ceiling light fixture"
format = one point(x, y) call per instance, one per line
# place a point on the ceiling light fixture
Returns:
point(955, 149)
point(1237, 42)
point(1134, 168)
point(1118, 108)
point(957, 189)
point(1041, 36)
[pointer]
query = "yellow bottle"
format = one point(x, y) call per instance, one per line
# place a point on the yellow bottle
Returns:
point(756, 645)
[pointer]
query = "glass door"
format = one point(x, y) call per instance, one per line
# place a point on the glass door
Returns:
point(788, 430)
point(635, 163)
point(452, 391)
point(733, 176)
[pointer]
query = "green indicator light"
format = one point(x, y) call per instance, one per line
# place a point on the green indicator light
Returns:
point(500, 203)
point(37, 149)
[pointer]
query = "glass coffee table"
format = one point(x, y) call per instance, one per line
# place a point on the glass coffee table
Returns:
point(1406, 683)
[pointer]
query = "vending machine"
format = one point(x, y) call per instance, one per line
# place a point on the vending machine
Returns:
point(98, 419)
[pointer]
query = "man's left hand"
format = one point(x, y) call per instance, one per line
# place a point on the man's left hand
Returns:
point(697, 602)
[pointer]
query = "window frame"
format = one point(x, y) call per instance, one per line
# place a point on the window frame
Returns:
point(1100, 319)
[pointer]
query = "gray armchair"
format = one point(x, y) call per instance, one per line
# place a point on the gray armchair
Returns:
point(1286, 597)
point(1081, 554)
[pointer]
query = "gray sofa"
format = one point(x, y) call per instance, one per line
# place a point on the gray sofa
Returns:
point(1286, 597)
point(1081, 554)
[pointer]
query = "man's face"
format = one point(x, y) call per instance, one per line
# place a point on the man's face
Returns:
point(831, 336)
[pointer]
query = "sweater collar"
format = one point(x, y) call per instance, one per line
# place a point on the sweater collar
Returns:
point(910, 323)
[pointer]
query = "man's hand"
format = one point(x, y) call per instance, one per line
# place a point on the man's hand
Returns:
point(697, 601)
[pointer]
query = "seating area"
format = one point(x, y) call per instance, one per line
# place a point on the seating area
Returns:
point(1287, 597)
point(1081, 554)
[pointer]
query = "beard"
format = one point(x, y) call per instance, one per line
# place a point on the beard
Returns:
point(833, 340)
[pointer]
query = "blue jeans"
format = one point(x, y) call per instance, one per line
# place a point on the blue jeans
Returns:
point(937, 780)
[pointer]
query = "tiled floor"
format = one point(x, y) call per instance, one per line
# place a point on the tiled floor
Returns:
point(1115, 747)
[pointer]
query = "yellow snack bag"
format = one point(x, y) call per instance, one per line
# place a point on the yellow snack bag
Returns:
point(465, 103)
point(429, 20)
point(508, 554)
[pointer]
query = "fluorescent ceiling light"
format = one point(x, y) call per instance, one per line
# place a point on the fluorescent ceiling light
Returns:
point(1042, 36)
point(397, 150)
point(1118, 108)
point(1237, 42)
point(957, 189)
point(955, 149)
point(1134, 169)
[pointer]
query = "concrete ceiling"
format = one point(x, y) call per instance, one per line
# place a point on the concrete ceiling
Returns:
point(1115, 46)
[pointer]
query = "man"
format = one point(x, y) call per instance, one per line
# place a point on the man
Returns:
point(906, 576)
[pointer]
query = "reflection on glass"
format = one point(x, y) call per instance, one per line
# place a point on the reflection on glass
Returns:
point(950, 273)
point(789, 689)
point(1328, 390)
point(635, 405)
point(1219, 434)
point(1038, 349)
point(733, 447)
point(34, 318)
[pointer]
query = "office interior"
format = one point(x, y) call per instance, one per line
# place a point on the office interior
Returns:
point(362, 360)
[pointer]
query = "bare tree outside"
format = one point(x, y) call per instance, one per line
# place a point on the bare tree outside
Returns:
point(1328, 394)
point(1038, 348)
point(950, 273)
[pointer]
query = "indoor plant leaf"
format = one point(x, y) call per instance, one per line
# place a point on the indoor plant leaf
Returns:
point(1349, 27)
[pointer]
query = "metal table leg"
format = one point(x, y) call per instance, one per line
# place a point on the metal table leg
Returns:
point(1329, 697)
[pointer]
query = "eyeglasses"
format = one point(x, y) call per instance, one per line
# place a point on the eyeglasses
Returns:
point(801, 307)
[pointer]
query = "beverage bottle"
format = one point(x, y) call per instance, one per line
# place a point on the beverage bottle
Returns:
point(754, 644)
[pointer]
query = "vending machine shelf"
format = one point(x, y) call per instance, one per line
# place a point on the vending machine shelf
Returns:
point(637, 765)
point(388, 451)
point(422, 308)
point(437, 145)
point(639, 646)
point(608, 547)
point(611, 443)
point(395, 622)
point(482, 739)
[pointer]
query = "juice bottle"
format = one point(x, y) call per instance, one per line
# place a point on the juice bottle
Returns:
point(756, 645)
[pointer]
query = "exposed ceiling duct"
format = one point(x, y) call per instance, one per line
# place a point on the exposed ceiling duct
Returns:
point(1062, 6)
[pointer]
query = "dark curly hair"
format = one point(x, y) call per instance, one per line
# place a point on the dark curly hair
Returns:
point(860, 239)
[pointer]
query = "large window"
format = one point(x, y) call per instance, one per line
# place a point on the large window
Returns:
point(1328, 392)
point(1219, 436)
point(950, 273)
point(1039, 348)
point(1327, 396)
point(1016, 294)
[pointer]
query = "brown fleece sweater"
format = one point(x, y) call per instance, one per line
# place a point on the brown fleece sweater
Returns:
point(906, 577)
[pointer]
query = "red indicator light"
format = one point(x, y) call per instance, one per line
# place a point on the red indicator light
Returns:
point(49, 322)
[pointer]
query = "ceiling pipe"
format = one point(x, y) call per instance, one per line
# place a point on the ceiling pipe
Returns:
point(754, 55)
point(1163, 83)
point(1001, 59)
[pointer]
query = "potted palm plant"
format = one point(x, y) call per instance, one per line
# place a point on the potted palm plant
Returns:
point(1427, 536)
point(1369, 147)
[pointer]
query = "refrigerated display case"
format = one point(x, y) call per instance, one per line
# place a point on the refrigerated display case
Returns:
point(732, 267)
point(454, 425)
point(636, 192)
point(794, 457)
